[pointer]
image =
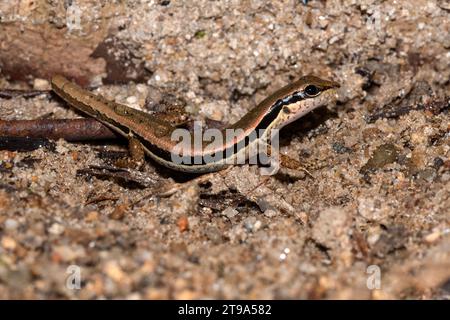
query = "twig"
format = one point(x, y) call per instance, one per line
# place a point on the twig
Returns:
point(12, 93)
point(68, 129)
point(130, 176)
point(23, 144)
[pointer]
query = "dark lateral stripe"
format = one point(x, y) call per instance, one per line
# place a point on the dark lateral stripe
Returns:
point(265, 122)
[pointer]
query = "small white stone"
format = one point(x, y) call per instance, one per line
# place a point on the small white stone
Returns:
point(56, 229)
point(141, 88)
point(433, 237)
point(230, 212)
point(134, 296)
point(61, 148)
point(132, 99)
point(11, 224)
point(214, 110)
point(257, 225)
point(270, 213)
point(69, 253)
point(41, 84)
point(373, 235)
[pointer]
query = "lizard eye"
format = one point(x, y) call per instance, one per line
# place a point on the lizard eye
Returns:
point(312, 90)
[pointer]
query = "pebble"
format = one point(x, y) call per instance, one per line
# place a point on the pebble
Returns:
point(267, 207)
point(331, 228)
point(8, 243)
point(373, 235)
point(270, 213)
point(113, 270)
point(61, 147)
point(230, 212)
point(340, 148)
point(91, 216)
point(372, 209)
point(141, 88)
point(132, 99)
point(214, 110)
point(186, 295)
point(257, 225)
point(427, 174)
point(41, 84)
point(11, 224)
point(249, 224)
point(119, 212)
point(432, 237)
point(183, 224)
point(56, 229)
point(383, 155)
point(67, 253)
point(213, 234)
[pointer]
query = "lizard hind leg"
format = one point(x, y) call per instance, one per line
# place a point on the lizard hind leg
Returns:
point(289, 163)
point(293, 164)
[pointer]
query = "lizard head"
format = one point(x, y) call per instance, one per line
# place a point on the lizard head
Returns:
point(303, 96)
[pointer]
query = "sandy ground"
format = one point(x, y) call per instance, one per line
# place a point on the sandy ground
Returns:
point(376, 206)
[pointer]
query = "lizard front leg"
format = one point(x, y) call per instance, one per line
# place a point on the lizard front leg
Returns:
point(136, 157)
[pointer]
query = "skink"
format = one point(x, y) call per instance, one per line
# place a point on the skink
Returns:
point(155, 135)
